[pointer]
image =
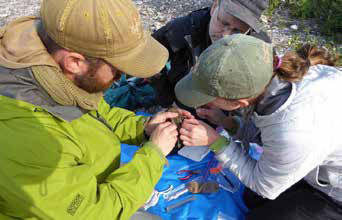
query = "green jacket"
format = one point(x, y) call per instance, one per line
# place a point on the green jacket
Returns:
point(52, 168)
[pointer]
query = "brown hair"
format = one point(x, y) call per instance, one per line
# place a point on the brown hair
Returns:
point(49, 44)
point(295, 65)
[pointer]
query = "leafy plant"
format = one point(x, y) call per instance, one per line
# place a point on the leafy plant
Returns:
point(328, 12)
point(273, 5)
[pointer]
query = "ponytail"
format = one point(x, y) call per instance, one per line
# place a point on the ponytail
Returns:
point(293, 66)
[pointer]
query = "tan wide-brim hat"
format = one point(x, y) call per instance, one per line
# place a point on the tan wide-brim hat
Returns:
point(107, 29)
point(149, 57)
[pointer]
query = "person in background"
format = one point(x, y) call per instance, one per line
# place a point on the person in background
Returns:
point(292, 110)
point(186, 37)
point(60, 141)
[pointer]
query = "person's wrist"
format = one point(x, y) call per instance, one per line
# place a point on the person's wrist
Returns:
point(155, 147)
point(147, 127)
point(219, 144)
point(213, 138)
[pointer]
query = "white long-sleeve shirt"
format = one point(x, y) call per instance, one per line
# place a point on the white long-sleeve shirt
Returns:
point(301, 138)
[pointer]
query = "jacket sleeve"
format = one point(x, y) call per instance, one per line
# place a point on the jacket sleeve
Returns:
point(127, 126)
point(62, 188)
point(289, 155)
point(172, 34)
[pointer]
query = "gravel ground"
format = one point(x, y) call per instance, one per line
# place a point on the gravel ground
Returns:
point(284, 31)
point(155, 13)
point(10, 9)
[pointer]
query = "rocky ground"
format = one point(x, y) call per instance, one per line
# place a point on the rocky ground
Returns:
point(284, 30)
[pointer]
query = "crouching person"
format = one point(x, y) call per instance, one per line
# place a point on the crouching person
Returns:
point(60, 142)
point(188, 36)
point(292, 110)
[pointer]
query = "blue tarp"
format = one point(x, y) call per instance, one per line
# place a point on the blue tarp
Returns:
point(220, 205)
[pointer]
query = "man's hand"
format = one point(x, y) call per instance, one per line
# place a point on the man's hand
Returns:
point(214, 115)
point(163, 117)
point(197, 133)
point(164, 136)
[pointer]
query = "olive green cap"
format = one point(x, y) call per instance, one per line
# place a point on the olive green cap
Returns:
point(107, 29)
point(234, 67)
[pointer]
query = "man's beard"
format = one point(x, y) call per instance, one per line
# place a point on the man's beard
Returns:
point(90, 81)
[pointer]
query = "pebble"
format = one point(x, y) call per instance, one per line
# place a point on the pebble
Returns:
point(156, 13)
point(294, 27)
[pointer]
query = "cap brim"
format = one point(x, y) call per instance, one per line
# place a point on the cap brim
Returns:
point(188, 95)
point(144, 61)
point(242, 14)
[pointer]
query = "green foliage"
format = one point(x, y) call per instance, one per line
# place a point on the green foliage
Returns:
point(273, 5)
point(328, 12)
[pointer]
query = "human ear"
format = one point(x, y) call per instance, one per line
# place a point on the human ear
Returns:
point(242, 103)
point(74, 63)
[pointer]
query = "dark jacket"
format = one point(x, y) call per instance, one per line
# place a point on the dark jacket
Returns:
point(185, 38)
